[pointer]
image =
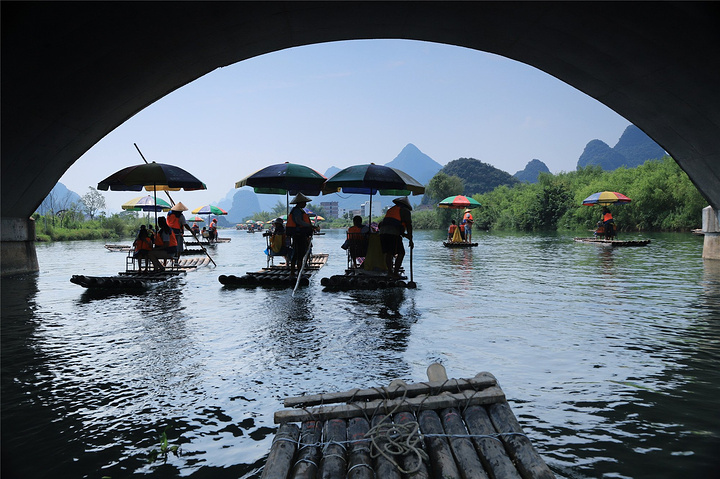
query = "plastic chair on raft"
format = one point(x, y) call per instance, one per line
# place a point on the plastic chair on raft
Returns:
point(356, 246)
point(276, 246)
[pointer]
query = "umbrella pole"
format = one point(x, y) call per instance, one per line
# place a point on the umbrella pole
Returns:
point(302, 266)
point(411, 284)
point(173, 203)
point(370, 214)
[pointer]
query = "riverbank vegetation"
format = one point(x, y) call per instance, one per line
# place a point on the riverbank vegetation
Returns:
point(663, 199)
point(71, 225)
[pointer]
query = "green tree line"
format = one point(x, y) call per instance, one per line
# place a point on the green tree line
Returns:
point(663, 199)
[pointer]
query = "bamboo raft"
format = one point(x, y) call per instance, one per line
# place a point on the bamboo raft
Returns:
point(458, 244)
point(277, 275)
point(138, 279)
point(361, 279)
point(443, 428)
point(118, 248)
point(613, 243)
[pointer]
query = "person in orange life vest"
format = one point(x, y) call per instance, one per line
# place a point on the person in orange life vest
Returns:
point(165, 245)
point(451, 229)
point(176, 221)
point(143, 245)
point(396, 224)
point(357, 240)
point(195, 229)
point(608, 223)
point(468, 222)
point(300, 230)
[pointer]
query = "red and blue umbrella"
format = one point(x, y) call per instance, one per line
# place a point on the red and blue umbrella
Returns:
point(605, 198)
point(458, 202)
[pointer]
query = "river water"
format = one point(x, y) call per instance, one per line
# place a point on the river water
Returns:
point(610, 358)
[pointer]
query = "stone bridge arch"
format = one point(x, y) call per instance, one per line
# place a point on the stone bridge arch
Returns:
point(73, 71)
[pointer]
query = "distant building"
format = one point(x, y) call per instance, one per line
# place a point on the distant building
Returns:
point(376, 208)
point(331, 208)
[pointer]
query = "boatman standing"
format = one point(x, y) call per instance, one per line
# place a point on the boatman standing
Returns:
point(396, 224)
point(177, 222)
point(468, 222)
point(300, 229)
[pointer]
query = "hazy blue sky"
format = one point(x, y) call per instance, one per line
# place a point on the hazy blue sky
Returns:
point(345, 103)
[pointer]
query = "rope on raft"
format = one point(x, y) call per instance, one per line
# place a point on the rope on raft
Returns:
point(392, 440)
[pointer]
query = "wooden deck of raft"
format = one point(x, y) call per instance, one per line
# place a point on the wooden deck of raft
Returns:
point(276, 275)
point(457, 428)
point(458, 244)
point(613, 243)
point(136, 279)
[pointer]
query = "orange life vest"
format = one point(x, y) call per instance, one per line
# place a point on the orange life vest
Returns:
point(173, 221)
point(468, 218)
point(143, 244)
point(452, 229)
point(172, 241)
point(393, 217)
point(607, 217)
point(291, 227)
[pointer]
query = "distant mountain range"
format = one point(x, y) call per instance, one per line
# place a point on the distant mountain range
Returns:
point(59, 198)
point(632, 149)
point(532, 171)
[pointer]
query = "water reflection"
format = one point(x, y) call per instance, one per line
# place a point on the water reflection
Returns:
point(90, 382)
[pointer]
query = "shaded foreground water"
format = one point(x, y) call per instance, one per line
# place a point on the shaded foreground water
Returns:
point(610, 358)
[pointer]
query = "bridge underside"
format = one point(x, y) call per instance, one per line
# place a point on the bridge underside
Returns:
point(73, 71)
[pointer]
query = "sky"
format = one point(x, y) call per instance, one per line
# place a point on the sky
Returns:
point(353, 102)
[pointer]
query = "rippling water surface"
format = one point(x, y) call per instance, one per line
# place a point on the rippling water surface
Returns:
point(610, 358)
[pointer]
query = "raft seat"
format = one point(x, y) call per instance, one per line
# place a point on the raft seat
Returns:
point(356, 246)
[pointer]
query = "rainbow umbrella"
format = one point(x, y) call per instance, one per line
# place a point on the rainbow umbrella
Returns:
point(209, 210)
point(146, 203)
point(605, 198)
point(197, 219)
point(458, 202)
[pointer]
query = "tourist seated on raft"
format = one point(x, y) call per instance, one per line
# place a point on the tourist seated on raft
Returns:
point(165, 245)
point(195, 229)
point(356, 243)
point(452, 229)
point(143, 246)
point(278, 241)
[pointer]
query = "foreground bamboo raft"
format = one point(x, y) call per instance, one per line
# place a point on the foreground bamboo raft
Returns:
point(443, 428)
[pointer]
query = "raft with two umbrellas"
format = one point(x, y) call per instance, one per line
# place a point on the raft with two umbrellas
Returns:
point(447, 428)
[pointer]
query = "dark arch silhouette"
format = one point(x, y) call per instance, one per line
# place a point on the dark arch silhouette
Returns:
point(73, 71)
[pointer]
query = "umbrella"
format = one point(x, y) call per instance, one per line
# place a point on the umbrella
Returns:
point(285, 179)
point(146, 203)
point(605, 198)
point(458, 202)
point(197, 219)
point(209, 210)
point(153, 175)
point(370, 179)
